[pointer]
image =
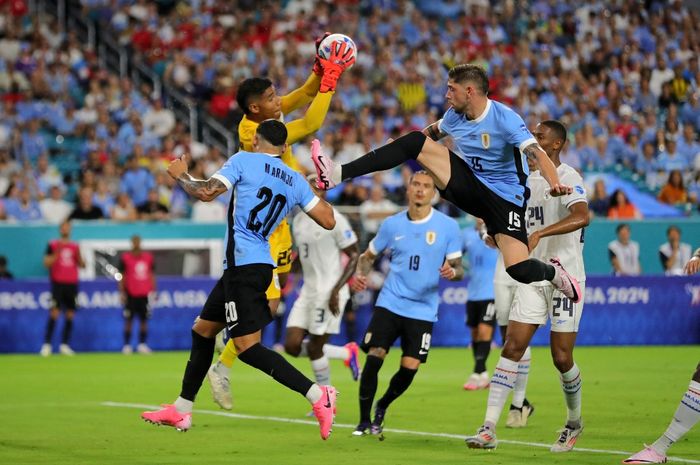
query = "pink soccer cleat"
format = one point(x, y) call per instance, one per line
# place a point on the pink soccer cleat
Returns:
point(646, 455)
point(353, 362)
point(324, 410)
point(169, 416)
point(567, 284)
point(324, 166)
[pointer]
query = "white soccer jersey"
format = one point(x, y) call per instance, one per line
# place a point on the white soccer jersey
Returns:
point(319, 252)
point(544, 210)
point(627, 256)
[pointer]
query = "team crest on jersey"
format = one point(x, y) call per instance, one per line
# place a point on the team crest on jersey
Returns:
point(430, 237)
point(485, 140)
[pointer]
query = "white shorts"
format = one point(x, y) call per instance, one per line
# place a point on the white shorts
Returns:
point(503, 301)
point(313, 314)
point(534, 304)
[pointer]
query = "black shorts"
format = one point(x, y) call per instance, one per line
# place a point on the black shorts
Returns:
point(468, 193)
point(64, 295)
point(136, 306)
point(385, 327)
point(238, 299)
point(480, 311)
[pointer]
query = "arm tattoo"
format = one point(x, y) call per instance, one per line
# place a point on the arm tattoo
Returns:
point(531, 150)
point(433, 132)
point(203, 190)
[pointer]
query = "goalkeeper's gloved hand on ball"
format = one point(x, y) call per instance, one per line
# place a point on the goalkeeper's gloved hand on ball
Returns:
point(340, 59)
point(318, 69)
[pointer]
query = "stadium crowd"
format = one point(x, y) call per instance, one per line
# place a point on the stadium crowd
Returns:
point(78, 141)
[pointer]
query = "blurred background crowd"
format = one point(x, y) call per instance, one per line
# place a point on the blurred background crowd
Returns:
point(80, 141)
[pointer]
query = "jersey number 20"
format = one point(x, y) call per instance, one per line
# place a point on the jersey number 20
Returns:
point(278, 203)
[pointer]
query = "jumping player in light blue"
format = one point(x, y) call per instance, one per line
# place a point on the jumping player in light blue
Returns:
point(424, 246)
point(265, 191)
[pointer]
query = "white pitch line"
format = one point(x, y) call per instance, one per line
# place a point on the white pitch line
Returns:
point(241, 416)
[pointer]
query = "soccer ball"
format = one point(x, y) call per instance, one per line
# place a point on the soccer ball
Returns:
point(324, 49)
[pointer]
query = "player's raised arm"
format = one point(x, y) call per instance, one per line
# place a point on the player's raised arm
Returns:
point(204, 190)
point(548, 170)
point(433, 131)
point(322, 213)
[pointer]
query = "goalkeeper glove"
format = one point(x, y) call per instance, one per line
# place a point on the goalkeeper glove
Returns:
point(318, 69)
point(340, 59)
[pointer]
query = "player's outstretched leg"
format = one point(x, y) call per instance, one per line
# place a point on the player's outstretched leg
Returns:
point(179, 414)
point(368, 389)
point(562, 354)
point(322, 398)
point(218, 376)
point(520, 408)
point(686, 416)
point(401, 380)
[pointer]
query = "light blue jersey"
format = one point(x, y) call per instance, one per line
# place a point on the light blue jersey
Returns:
point(418, 250)
point(265, 191)
point(491, 145)
point(482, 265)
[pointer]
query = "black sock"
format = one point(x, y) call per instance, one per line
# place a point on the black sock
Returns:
point(197, 366)
point(530, 271)
point(406, 147)
point(67, 329)
point(127, 337)
point(273, 364)
point(482, 353)
point(143, 334)
point(368, 386)
point(49, 330)
point(401, 380)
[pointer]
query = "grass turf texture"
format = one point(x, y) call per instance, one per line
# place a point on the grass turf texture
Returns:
point(53, 413)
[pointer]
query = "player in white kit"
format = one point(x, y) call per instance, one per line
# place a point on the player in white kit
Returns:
point(555, 231)
point(318, 311)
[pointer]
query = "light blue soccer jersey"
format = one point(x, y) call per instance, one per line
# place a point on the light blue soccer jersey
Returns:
point(491, 145)
point(482, 266)
point(418, 250)
point(265, 190)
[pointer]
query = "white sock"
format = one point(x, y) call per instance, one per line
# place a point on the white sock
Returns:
point(687, 415)
point(314, 394)
point(183, 405)
point(304, 352)
point(336, 352)
point(221, 369)
point(521, 380)
point(322, 371)
point(571, 385)
point(502, 383)
point(336, 174)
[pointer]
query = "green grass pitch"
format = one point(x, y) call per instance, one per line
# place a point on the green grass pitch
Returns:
point(53, 411)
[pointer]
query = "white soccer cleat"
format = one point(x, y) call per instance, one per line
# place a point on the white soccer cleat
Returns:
point(484, 380)
point(45, 350)
point(472, 383)
point(65, 349)
point(567, 438)
point(127, 350)
point(220, 388)
point(646, 455)
point(485, 438)
point(517, 417)
point(143, 349)
point(564, 282)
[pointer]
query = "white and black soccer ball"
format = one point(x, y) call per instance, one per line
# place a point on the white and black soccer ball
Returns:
point(324, 49)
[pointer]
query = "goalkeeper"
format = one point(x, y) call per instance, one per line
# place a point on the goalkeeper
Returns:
point(258, 99)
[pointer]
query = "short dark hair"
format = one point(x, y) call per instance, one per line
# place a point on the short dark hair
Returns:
point(413, 175)
point(558, 127)
point(250, 88)
point(620, 227)
point(468, 72)
point(673, 227)
point(273, 131)
point(3, 261)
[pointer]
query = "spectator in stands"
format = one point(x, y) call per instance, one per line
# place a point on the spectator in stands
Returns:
point(624, 253)
point(674, 192)
point(153, 209)
point(159, 120)
point(601, 158)
point(124, 209)
point(4, 272)
point(33, 144)
point(669, 159)
point(55, 209)
point(136, 181)
point(25, 209)
point(674, 254)
point(103, 198)
point(688, 145)
point(599, 203)
point(621, 208)
point(46, 175)
point(374, 210)
point(86, 210)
